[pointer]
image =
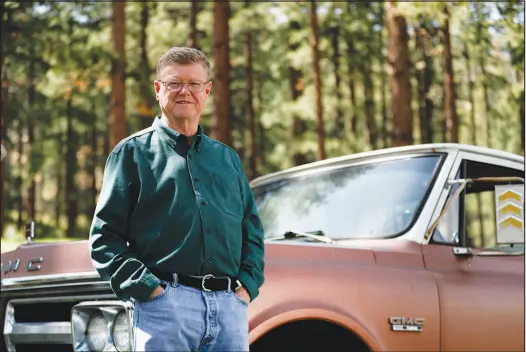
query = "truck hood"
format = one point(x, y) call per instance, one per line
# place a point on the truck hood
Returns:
point(54, 258)
point(62, 258)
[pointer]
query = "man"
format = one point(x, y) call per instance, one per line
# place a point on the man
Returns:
point(176, 228)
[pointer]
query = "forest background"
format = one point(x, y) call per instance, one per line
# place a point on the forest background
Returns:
point(293, 82)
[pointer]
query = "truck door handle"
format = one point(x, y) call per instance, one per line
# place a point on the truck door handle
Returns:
point(462, 251)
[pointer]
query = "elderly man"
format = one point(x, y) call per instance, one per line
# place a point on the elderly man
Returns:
point(176, 229)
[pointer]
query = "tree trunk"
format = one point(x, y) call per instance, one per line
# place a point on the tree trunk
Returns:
point(262, 161)
point(146, 111)
point(339, 124)
point(450, 110)
point(383, 86)
point(471, 90)
point(31, 192)
point(251, 115)
point(192, 39)
point(482, 64)
point(399, 76)
point(71, 167)
point(59, 170)
point(93, 166)
point(521, 118)
point(352, 87)
point(370, 129)
point(320, 130)
point(425, 79)
point(296, 90)
point(351, 56)
point(221, 114)
point(3, 140)
point(118, 68)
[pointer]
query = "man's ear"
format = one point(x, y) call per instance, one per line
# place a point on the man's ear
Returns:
point(208, 88)
point(157, 86)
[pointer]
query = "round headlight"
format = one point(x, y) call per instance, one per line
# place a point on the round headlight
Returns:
point(121, 332)
point(97, 332)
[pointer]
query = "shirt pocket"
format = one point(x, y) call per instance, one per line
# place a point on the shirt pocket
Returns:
point(226, 193)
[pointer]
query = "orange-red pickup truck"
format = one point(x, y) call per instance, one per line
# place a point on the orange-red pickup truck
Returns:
point(416, 248)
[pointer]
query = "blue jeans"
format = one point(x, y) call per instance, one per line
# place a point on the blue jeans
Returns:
point(183, 318)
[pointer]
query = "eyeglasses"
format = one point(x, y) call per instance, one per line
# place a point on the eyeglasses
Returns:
point(194, 87)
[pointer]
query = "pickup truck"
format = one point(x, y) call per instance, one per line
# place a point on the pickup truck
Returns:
point(415, 248)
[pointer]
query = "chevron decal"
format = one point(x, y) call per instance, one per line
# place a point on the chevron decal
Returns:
point(509, 213)
point(509, 194)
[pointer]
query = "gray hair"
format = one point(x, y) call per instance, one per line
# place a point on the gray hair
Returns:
point(183, 56)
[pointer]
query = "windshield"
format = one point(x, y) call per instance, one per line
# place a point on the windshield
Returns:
point(373, 200)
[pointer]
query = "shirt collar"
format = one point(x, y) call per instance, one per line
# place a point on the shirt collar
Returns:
point(174, 136)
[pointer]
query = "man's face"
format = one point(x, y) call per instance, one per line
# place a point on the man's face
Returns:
point(186, 100)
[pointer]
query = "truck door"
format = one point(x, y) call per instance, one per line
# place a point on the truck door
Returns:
point(480, 281)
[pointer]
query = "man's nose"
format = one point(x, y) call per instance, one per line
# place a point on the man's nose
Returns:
point(185, 87)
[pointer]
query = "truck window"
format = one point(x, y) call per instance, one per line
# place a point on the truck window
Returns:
point(476, 207)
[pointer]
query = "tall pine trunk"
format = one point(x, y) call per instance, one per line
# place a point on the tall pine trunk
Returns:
point(370, 129)
point(71, 168)
point(351, 72)
point(3, 140)
point(118, 67)
point(93, 164)
point(251, 151)
point(424, 75)
point(296, 90)
point(482, 66)
point(473, 123)
point(521, 119)
point(59, 172)
point(146, 111)
point(221, 114)
point(194, 10)
point(339, 124)
point(399, 76)
point(383, 87)
point(314, 39)
point(450, 110)
point(262, 161)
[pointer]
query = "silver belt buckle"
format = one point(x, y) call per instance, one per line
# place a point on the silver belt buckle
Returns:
point(207, 276)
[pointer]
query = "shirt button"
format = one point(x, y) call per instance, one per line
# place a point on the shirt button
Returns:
point(203, 203)
point(196, 179)
point(189, 156)
point(208, 230)
point(209, 260)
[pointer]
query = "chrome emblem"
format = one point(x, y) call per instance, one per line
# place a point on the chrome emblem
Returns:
point(32, 265)
point(407, 324)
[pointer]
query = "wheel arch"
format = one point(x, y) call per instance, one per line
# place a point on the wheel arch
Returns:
point(306, 314)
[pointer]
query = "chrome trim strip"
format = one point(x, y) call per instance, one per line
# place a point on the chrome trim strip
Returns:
point(38, 279)
point(60, 299)
point(94, 285)
point(48, 332)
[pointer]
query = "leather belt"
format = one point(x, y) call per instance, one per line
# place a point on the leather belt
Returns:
point(209, 282)
point(206, 283)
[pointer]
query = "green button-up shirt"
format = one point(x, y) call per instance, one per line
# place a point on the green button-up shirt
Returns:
point(168, 206)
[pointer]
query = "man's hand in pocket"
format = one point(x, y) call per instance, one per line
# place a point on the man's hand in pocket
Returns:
point(158, 290)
